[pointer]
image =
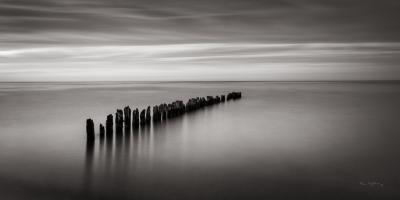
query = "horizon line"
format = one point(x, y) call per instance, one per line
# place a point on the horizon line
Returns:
point(188, 81)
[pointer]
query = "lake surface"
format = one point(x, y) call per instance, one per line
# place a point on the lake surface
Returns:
point(280, 141)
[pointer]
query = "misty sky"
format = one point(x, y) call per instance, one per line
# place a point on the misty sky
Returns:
point(77, 40)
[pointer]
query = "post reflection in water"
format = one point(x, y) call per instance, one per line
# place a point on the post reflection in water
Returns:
point(135, 144)
point(108, 154)
point(144, 140)
point(118, 151)
point(127, 148)
point(88, 176)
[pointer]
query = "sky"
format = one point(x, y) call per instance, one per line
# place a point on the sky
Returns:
point(192, 40)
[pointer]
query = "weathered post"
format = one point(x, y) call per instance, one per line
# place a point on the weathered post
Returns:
point(90, 129)
point(102, 132)
point(217, 99)
point(189, 105)
point(210, 100)
point(164, 112)
point(173, 109)
point(181, 107)
point(159, 107)
point(127, 115)
point(202, 102)
point(135, 118)
point(236, 95)
point(148, 115)
point(169, 111)
point(156, 114)
point(229, 97)
point(119, 120)
point(109, 126)
point(109, 132)
point(143, 117)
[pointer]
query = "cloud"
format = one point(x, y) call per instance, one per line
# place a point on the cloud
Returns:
point(209, 52)
point(237, 61)
point(43, 39)
point(234, 20)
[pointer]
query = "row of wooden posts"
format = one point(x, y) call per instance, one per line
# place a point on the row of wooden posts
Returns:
point(161, 113)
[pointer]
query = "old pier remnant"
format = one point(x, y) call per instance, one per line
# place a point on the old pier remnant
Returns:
point(234, 95)
point(109, 126)
point(90, 129)
point(102, 132)
point(195, 103)
point(133, 118)
point(119, 121)
point(163, 111)
point(148, 115)
point(127, 117)
point(156, 114)
point(143, 117)
point(175, 109)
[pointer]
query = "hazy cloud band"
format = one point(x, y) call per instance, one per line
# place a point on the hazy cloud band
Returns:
point(209, 39)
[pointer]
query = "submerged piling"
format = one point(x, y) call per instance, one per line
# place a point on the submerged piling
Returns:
point(156, 114)
point(163, 111)
point(119, 120)
point(148, 115)
point(90, 129)
point(143, 117)
point(127, 117)
point(102, 132)
point(109, 126)
point(133, 118)
point(234, 95)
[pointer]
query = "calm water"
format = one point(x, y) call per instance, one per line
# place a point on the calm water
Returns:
point(280, 141)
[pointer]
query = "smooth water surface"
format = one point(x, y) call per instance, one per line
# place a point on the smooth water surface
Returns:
point(280, 141)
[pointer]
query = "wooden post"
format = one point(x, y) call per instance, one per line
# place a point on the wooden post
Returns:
point(181, 108)
point(148, 115)
point(109, 126)
point(102, 132)
point(169, 111)
point(229, 97)
point(127, 115)
point(202, 102)
point(217, 99)
point(156, 114)
point(90, 129)
point(135, 118)
point(143, 117)
point(164, 112)
point(119, 120)
point(210, 100)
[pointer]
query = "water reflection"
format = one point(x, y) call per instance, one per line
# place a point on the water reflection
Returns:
point(88, 174)
point(89, 156)
point(109, 148)
point(127, 148)
point(224, 146)
point(283, 141)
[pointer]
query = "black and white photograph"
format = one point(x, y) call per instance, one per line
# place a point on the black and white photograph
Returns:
point(199, 99)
